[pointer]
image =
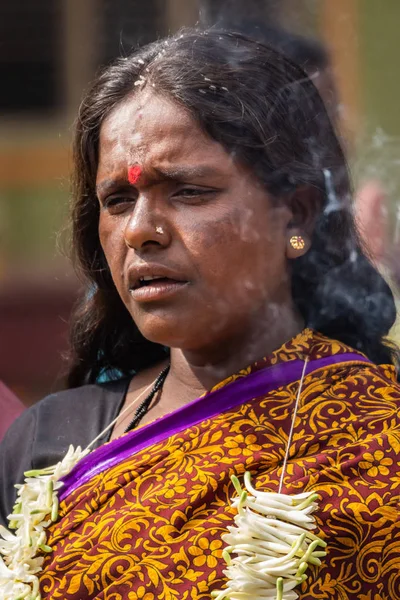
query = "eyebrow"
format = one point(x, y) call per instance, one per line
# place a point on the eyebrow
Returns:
point(187, 171)
point(109, 184)
point(176, 172)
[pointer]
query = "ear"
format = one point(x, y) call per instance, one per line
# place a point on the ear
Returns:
point(305, 205)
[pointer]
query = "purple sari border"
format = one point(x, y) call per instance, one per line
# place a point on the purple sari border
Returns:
point(212, 404)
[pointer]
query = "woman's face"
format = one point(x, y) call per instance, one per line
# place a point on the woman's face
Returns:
point(196, 247)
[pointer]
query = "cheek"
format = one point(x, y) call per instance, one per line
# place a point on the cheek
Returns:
point(239, 242)
point(105, 237)
point(249, 229)
point(110, 237)
point(241, 260)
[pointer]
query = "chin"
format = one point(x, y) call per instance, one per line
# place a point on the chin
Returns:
point(178, 328)
point(167, 332)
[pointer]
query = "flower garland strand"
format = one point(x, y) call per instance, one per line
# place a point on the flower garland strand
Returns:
point(271, 538)
point(273, 544)
point(21, 553)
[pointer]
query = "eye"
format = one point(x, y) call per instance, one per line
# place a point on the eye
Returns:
point(193, 193)
point(118, 204)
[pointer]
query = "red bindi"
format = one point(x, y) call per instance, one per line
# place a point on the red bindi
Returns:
point(134, 174)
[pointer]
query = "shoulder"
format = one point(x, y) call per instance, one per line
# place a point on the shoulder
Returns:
point(78, 415)
point(362, 384)
point(86, 399)
point(74, 415)
point(346, 365)
point(375, 381)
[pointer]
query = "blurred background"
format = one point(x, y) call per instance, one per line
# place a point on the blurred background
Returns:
point(50, 50)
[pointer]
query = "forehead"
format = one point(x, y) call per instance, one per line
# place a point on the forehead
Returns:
point(149, 128)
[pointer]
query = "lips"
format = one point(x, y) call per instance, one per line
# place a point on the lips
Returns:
point(151, 282)
point(145, 275)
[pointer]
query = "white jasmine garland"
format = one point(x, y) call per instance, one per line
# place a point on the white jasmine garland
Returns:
point(272, 543)
point(21, 553)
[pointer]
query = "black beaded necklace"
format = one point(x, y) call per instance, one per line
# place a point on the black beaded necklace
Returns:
point(145, 404)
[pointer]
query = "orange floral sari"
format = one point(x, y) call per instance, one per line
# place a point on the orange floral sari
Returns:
point(142, 517)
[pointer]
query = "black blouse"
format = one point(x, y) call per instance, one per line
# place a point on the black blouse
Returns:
point(40, 437)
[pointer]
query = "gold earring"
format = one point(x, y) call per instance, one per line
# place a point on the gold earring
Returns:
point(159, 230)
point(297, 242)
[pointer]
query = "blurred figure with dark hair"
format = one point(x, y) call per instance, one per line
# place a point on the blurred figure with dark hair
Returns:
point(10, 408)
point(307, 52)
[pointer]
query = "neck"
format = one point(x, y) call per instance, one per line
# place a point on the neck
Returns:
point(193, 372)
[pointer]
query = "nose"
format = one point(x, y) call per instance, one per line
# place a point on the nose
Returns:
point(146, 226)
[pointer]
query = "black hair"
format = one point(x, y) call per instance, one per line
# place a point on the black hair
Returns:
point(265, 110)
point(307, 52)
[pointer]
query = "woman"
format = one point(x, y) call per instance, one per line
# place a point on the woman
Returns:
point(212, 219)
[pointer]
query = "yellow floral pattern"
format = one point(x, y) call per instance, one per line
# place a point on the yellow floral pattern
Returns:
point(150, 527)
point(206, 552)
point(376, 463)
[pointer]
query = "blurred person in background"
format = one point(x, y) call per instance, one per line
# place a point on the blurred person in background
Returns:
point(10, 408)
point(229, 287)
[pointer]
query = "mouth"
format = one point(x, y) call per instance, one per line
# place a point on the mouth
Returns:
point(151, 280)
point(148, 288)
